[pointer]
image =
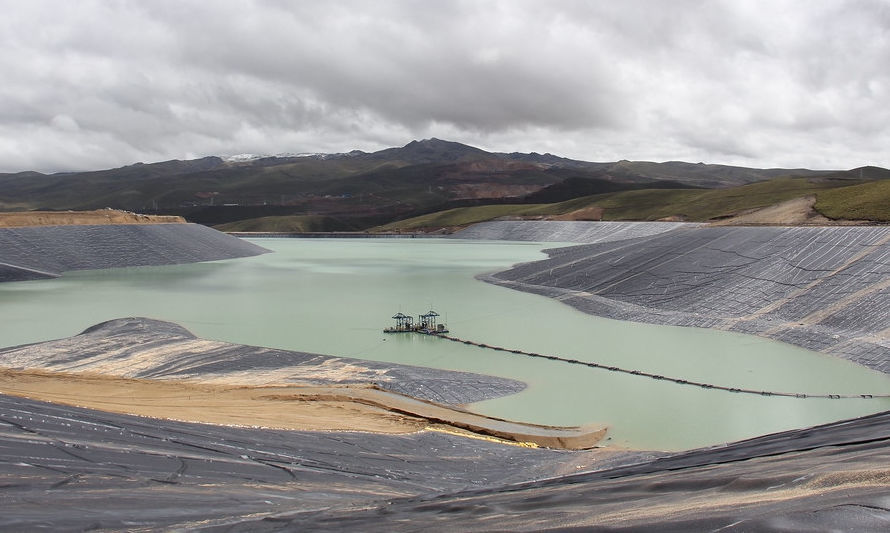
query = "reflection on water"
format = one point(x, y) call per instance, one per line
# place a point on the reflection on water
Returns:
point(335, 296)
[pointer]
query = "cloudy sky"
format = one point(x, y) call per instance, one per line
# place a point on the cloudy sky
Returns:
point(101, 83)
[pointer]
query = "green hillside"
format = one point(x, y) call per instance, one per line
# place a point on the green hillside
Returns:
point(867, 201)
point(703, 205)
point(461, 216)
point(430, 183)
point(287, 224)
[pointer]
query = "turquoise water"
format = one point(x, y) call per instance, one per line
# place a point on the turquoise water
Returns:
point(335, 296)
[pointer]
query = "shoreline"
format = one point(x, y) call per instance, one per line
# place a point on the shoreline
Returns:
point(820, 288)
point(301, 407)
point(238, 473)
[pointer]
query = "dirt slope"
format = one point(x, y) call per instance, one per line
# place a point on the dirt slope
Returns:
point(82, 218)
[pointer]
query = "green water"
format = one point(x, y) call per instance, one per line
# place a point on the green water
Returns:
point(335, 296)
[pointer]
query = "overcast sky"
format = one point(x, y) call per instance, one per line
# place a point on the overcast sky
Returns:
point(98, 84)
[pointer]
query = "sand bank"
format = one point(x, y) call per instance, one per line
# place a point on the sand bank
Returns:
point(307, 408)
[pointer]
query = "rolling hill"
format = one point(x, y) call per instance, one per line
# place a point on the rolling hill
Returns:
point(359, 190)
point(867, 202)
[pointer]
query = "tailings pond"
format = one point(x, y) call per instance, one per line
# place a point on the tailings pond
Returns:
point(334, 296)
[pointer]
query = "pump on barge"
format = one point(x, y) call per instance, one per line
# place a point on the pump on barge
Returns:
point(427, 324)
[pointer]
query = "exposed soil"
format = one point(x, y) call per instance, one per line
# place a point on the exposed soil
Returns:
point(273, 407)
point(796, 212)
point(82, 218)
point(587, 213)
point(308, 408)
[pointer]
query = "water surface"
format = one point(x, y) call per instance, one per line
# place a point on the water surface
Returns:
point(334, 296)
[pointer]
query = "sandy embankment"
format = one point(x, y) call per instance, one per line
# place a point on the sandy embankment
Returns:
point(82, 218)
point(212, 404)
point(308, 408)
point(159, 369)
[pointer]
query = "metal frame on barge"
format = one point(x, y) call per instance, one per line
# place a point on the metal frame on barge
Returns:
point(426, 323)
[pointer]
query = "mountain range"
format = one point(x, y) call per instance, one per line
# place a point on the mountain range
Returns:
point(360, 190)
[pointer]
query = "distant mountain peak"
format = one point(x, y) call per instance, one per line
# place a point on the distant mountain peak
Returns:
point(432, 150)
point(434, 143)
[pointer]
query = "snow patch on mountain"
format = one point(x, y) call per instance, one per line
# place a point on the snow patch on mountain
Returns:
point(246, 158)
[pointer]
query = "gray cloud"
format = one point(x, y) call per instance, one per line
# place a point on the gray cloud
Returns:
point(95, 84)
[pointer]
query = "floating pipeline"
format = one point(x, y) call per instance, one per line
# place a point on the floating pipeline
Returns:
point(658, 377)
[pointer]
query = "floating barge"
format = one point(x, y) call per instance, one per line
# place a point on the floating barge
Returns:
point(427, 324)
